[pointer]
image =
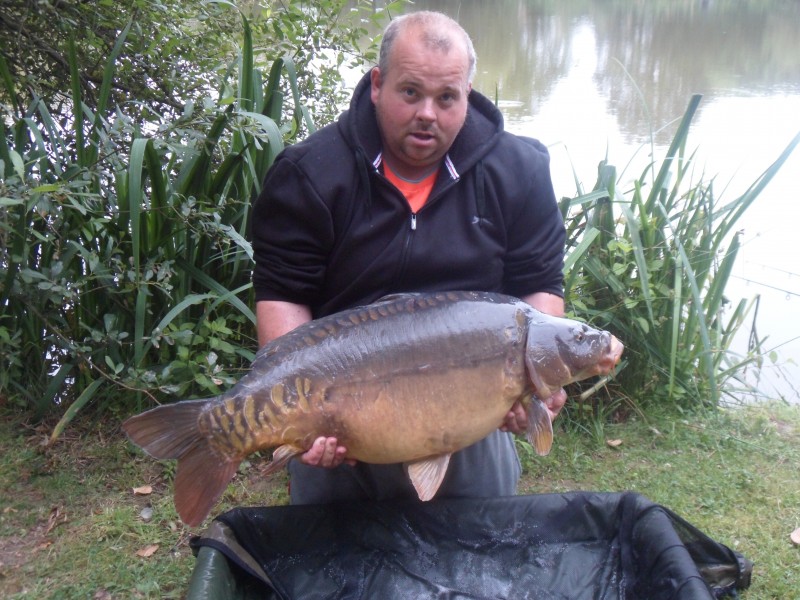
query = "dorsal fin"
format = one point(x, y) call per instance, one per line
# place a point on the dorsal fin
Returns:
point(396, 296)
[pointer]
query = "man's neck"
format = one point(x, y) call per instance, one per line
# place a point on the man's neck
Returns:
point(411, 175)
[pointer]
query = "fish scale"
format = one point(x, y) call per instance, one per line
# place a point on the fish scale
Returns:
point(409, 379)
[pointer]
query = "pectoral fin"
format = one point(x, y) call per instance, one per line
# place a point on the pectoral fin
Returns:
point(540, 428)
point(281, 456)
point(427, 475)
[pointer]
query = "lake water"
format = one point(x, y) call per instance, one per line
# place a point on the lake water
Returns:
point(595, 77)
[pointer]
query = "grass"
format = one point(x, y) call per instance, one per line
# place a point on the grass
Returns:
point(732, 473)
point(71, 525)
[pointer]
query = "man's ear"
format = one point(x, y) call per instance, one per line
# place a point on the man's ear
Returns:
point(375, 81)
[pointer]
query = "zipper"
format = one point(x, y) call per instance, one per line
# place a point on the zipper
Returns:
point(413, 224)
point(409, 237)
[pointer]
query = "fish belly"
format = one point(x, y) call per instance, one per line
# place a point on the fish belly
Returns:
point(391, 386)
point(421, 414)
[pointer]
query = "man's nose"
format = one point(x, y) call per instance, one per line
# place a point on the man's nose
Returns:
point(426, 110)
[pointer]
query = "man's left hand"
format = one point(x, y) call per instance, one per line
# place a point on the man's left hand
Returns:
point(516, 420)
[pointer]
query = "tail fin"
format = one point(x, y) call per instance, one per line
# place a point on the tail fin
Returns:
point(171, 431)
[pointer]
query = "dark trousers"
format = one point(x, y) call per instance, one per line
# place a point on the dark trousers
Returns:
point(486, 469)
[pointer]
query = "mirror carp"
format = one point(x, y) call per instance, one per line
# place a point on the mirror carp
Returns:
point(409, 379)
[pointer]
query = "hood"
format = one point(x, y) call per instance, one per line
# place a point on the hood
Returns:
point(483, 125)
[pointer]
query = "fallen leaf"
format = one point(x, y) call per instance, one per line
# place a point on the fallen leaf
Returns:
point(102, 594)
point(55, 519)
point(614, 443)
point(147, 551)
point(795, 537)
point(144, 490)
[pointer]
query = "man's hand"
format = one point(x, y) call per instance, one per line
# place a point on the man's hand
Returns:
point(516, 420)
point(326, 453)
point(555, 403)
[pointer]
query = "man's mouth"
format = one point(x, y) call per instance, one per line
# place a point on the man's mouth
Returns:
point(422, 135)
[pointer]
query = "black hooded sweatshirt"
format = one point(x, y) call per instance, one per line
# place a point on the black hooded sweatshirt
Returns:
point(331, 232)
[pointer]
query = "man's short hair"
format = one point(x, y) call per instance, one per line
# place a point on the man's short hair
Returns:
point(436, 30)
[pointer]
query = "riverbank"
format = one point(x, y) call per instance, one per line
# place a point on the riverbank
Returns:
point(91, 517)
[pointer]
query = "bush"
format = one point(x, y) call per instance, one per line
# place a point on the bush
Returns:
point(124, 266)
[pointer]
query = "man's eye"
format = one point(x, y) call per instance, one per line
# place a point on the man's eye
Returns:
point(448, 99)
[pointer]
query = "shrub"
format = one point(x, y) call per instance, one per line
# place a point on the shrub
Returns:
point(124, 266)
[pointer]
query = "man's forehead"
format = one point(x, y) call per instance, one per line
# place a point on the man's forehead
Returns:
point(439, 81)
point(425, 65)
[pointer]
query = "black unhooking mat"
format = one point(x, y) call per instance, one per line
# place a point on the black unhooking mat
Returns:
point(576, 546)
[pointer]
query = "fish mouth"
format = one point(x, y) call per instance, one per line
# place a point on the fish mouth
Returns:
point(612, 358)
point(604, 365)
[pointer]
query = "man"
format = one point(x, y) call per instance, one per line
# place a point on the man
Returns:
point(415, 188)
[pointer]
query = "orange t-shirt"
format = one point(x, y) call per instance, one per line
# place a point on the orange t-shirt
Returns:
point(416, 192)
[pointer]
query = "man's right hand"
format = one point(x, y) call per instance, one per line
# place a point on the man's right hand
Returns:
point(326, 453)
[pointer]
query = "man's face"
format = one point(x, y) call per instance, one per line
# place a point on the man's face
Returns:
point(421, 103)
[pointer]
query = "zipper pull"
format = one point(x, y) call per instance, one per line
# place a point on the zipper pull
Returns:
point(413, 221)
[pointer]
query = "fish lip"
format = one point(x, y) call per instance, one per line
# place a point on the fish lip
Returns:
point(611, 360)
point(616, 347)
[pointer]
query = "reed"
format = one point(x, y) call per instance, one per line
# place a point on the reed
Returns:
point(651, 263)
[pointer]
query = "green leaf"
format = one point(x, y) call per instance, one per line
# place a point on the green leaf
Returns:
point(643, 324)
point(7, 79)
point(18, 164)
point(105, 94)
point(85, 397)
point(135, 201)
point(269, 127)
point(50, 187)
point(115, 368)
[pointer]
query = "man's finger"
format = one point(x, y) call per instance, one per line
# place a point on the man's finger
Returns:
point(326, 453)
point(555, 403)
point(329, 453)
point(313, 455)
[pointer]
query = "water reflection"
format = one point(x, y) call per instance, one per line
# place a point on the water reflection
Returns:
point(659, 51)
point(692, 47)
